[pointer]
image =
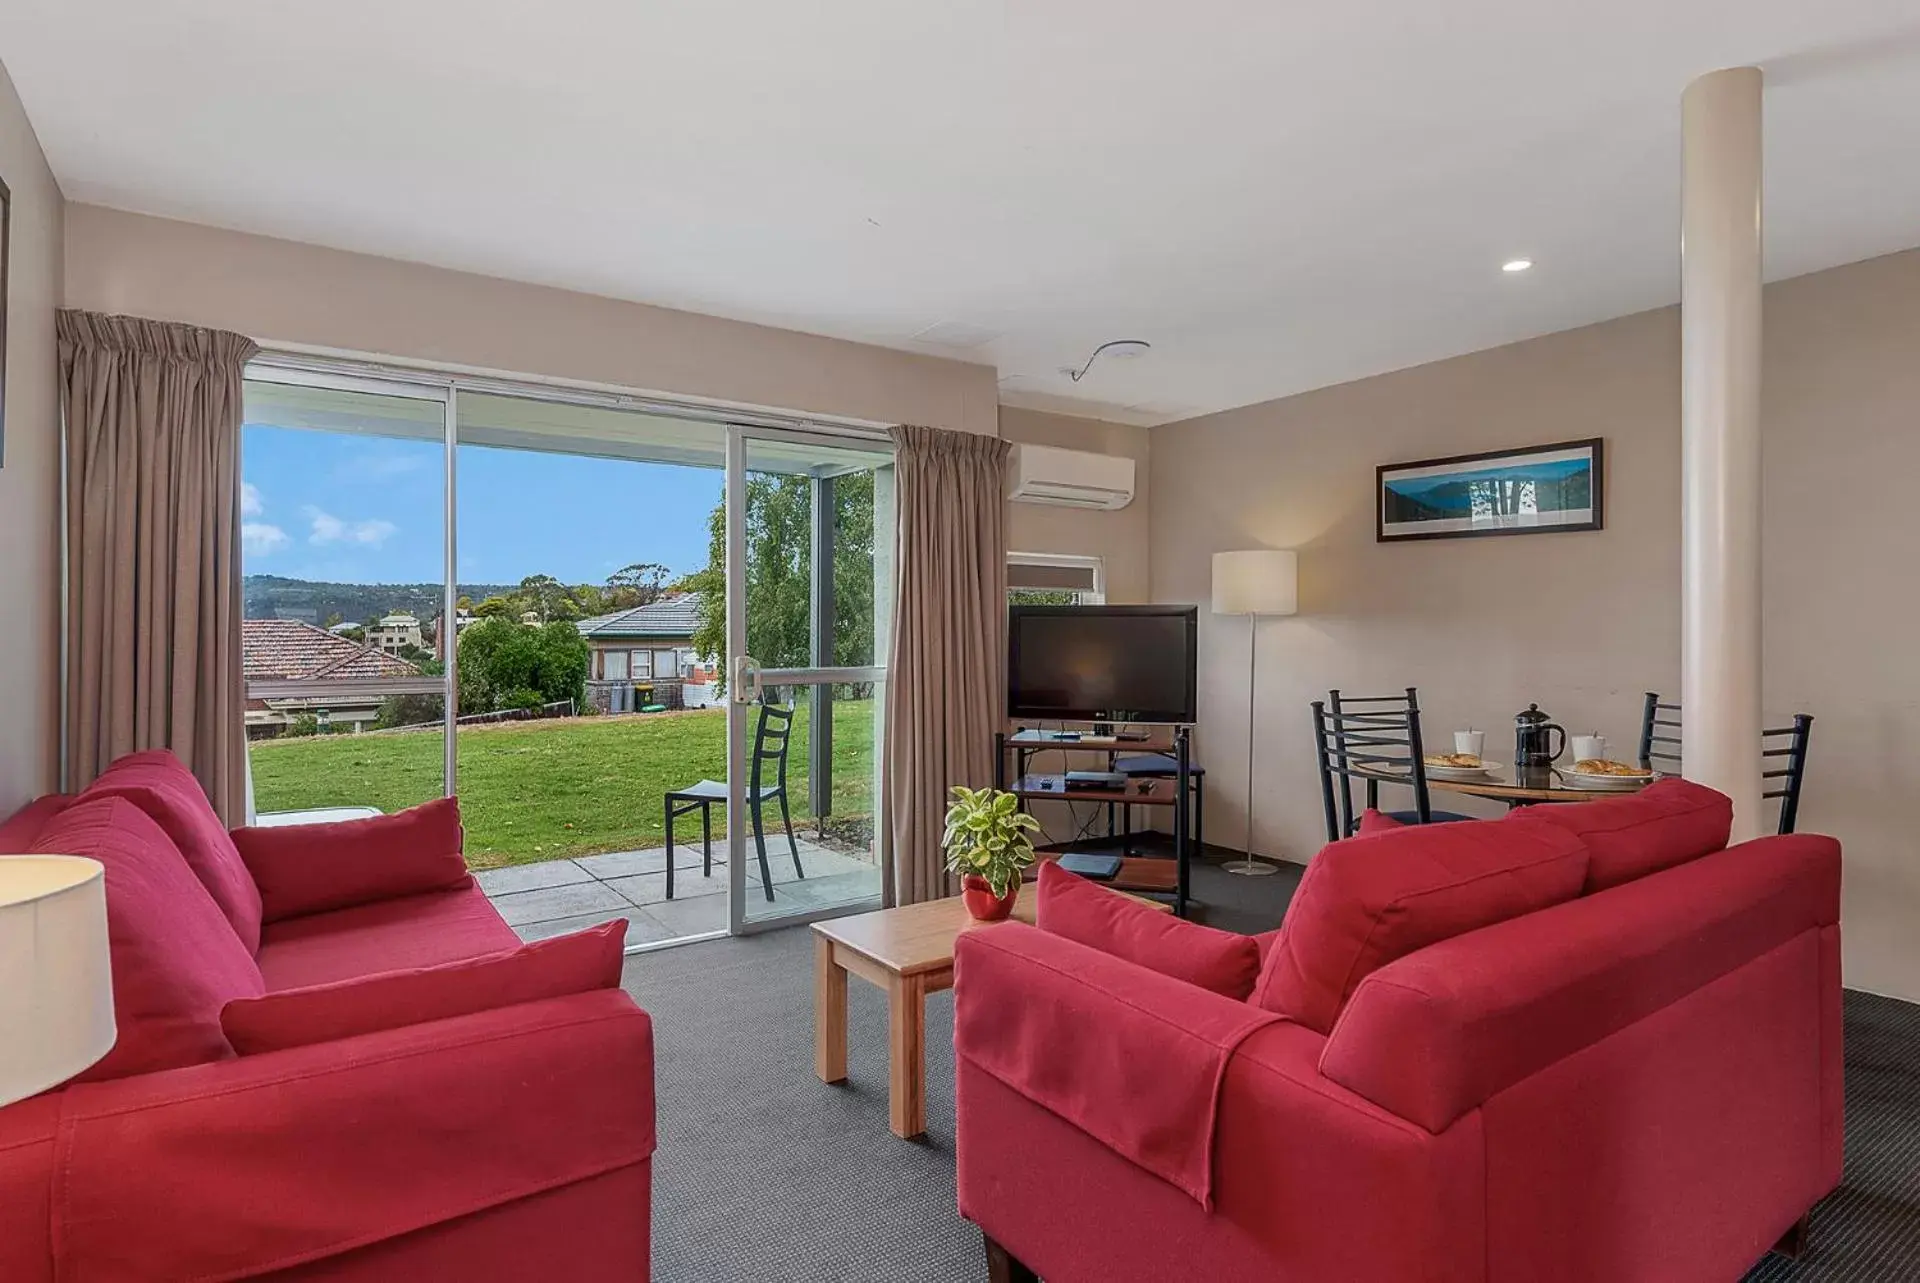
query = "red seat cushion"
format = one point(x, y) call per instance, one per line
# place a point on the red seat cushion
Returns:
point(411, 931)
point(1119, 925)
point(1667, 823)
point(158, 783)
point(1369, 900)
point(24, 825)
point(316, 868)
point(176, 961)
point(569, 964)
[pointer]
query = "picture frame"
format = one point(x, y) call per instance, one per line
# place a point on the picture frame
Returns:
point(1542, 489)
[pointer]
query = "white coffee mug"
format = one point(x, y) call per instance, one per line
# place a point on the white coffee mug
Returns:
point(1586, 747)
point(1473, 742)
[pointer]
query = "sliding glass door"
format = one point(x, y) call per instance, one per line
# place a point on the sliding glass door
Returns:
point(809, 590)
point(644, 645)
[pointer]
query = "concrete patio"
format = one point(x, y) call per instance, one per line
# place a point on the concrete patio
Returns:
point(558, 896)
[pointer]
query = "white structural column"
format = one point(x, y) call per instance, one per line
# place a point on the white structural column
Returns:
point(1720, 239)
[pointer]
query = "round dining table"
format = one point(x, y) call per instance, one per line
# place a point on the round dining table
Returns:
point(1545, 787)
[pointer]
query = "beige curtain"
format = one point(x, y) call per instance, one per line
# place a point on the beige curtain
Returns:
point(945, 694)
point(153, 547)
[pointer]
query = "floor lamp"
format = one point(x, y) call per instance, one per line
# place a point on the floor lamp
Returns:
point(1254, 582)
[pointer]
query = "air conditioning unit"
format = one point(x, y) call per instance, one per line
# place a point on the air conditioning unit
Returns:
point(1069, 478)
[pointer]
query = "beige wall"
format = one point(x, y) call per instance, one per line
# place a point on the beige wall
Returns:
point(1583, 623)
point(29, 468)
point(284, 292)
point(1118, 538)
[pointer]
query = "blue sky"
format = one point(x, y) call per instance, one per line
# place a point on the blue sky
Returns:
point(350, 509)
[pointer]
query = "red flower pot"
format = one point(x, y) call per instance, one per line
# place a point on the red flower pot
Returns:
point(982, 903)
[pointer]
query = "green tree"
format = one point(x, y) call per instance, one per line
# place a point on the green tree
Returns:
point(640, 584)
point(495, 608)
point(780, 574)
point(502, 662)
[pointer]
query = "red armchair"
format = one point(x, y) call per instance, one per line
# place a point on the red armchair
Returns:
point(510, 1141)
point(1638, 1083)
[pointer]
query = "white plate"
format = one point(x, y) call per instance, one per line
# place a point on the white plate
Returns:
point(1604, 783)
point(1465, 774)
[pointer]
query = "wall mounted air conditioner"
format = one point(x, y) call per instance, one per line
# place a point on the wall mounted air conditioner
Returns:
point(1069, 478)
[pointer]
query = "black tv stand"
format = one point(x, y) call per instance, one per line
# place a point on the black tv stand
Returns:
point(1141, 874)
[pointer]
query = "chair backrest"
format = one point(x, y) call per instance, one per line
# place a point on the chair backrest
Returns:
point(770, 739)
point(1374, 739)
point(1660, 743)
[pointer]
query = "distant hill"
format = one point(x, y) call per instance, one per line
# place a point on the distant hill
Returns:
point(276, 597)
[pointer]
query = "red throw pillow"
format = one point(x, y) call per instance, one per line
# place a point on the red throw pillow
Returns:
point(1369, 900)
point(1119, 925)
point(311, 868)
point(578, 963)
point(1665, 824)
point(176, 961)
point(24, 825)
point(1372, 821)
point(160, 784)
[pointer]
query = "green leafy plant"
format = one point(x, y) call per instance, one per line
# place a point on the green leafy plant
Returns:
point(988, 835)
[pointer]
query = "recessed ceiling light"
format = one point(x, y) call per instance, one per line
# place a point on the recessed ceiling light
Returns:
point(1516, 265)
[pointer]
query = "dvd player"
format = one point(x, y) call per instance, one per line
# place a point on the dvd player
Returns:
point(1094, 781)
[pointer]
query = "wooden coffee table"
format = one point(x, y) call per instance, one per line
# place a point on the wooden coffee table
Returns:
point(908, 952)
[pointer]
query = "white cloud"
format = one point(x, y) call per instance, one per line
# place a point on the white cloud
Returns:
point(257, 538)
point(250, 505)
point(329, 529)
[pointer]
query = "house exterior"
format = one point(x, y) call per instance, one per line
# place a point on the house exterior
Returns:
point(291, 649)
point(395, 632)
point(643, 655)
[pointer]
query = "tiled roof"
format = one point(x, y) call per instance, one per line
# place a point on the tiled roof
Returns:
point(676, 616)
point(289, 648)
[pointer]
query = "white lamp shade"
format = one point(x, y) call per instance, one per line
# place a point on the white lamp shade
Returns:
point(56, 998)
point(1256, 581)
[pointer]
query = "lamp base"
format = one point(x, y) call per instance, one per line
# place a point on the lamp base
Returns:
point(1249, 868)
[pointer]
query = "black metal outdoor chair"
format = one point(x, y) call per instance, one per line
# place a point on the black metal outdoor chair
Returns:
point(770, 739)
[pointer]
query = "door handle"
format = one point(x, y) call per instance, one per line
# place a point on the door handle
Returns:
point(745, 686)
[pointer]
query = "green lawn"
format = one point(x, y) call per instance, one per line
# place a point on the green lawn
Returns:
point(532, 791)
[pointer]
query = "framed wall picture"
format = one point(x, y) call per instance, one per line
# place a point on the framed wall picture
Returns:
point(6, 244)
point(1502, 492)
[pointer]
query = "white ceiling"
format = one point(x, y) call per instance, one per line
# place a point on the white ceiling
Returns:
point(1278, 196)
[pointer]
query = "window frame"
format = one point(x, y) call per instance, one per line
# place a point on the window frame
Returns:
point(1095, 596)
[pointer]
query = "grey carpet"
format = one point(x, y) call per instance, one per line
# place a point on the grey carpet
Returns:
point(766, 1175)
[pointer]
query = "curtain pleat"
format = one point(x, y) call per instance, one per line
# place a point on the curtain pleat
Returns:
point(153, 415)
point(945, 678)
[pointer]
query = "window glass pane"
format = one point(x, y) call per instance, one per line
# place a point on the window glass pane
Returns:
point(343, 564)
point(666, 663)
point(643, 663)
point(616, 665)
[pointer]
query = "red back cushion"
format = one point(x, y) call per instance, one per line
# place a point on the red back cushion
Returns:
point(1119, 925)
point(577, 963)
point(1372, 821)
point(313, 868)
point(1667, 823)
point(1369, 900)
point(176, 960)
point(24, 825)
point(158, 783)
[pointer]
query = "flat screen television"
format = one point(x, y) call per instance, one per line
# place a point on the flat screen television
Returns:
point(1103, 663)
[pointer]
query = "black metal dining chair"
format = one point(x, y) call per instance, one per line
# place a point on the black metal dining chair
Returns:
point(1374, 739)
point(1660, 750)
point(771, 737)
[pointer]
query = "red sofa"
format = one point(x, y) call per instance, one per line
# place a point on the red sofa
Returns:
point(1590, 1045)
point(506, 1137)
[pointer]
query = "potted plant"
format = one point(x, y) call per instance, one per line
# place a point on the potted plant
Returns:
point(988, 844)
